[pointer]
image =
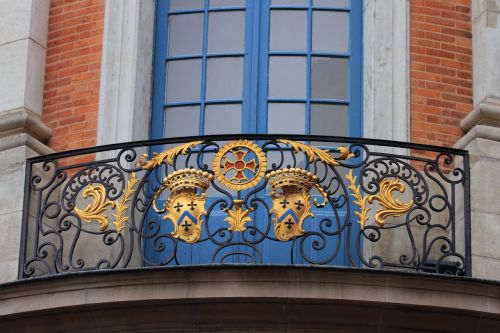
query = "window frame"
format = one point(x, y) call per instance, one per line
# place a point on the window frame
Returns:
point(256, 66)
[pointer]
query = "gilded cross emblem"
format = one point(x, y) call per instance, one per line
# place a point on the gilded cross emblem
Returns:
point(240, 165)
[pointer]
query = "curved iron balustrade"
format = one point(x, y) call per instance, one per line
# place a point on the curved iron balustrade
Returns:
point(248, 199)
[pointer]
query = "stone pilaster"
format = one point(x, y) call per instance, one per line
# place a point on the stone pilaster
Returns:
point(22, 61)
point(483, 140)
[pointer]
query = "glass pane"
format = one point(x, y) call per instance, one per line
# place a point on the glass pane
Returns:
point(331, 3)
point(186, 4)
point(226, 31)
point(290, 2)
point(287, 77)
point(222, 119)
point(329, 78)
point(182, 121)
point(185, 34)
point(284, 34)
point(224, 78)
point(227, 3)
point(286, 118)
point(330, 31)
point(183, 80)
point(330, 120)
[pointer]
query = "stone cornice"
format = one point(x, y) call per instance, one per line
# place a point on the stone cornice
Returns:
point(23, 127)
point(485, 113)
point(232, 298)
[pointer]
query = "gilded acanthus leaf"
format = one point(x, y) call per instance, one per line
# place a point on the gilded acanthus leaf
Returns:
point(392, 206)
point(123, 205)
point(237, 217)
point(314, 153)
point(167, 155)
point(360, 201)
point(95, 210)
point(344, 153)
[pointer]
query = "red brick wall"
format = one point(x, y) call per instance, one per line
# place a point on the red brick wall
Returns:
point(72, 72)
point(441, 69)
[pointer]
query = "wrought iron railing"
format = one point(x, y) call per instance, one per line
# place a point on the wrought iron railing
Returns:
point(261, 199)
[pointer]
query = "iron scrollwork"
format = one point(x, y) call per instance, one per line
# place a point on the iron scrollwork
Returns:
point(246, 200)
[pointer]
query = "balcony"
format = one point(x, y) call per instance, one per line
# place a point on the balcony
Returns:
point(248, 199)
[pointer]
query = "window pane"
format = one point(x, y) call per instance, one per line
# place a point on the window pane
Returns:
point(224, 78)
point(186, 4)
point(182, 121)
point(287, 36)
point(183, 80)
point(330, 31)
point(226, 31)
point(227, 3)
point(329, 78)
point(222, 119)
point(287, 77)
point(286, 118)
point(330, 120)
point(185, 34)
point(290, 2)
point(331, 3)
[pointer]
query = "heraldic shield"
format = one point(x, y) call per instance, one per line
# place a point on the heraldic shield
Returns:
point(185, 206)
point(290, 194)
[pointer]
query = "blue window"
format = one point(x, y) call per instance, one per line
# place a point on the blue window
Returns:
point(247, 66)
point(270, 66)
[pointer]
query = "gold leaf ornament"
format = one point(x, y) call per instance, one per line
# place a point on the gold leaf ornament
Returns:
point(167, 155)
point(185, 206)
point(314, 153)
point(392, 206)
point(291, 198)
point(237, 217)
point(95, 210)
point(234, 169)
point(123, 205)
point(359, 201)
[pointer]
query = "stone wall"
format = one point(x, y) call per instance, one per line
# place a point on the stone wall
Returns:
point(23, 40)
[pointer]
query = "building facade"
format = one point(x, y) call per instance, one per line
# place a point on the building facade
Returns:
point(376, 121)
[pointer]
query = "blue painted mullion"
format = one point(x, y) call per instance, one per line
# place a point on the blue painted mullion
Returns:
point(184, 57)
point(203, 93)
point(330, 101)
point(206, 102)
point(288, 7)
point(313, 100)
point(250, 70)
point(200, 10)
point(209, 55)
point(317, 54)
point(308, 69)
point(355, 70)
point(225, 55)
point(263, 53)
point(160, 66)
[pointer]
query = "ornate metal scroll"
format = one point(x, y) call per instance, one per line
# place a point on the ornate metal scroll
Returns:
point(95, 212)
point(392, 206)
point(248, 199)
